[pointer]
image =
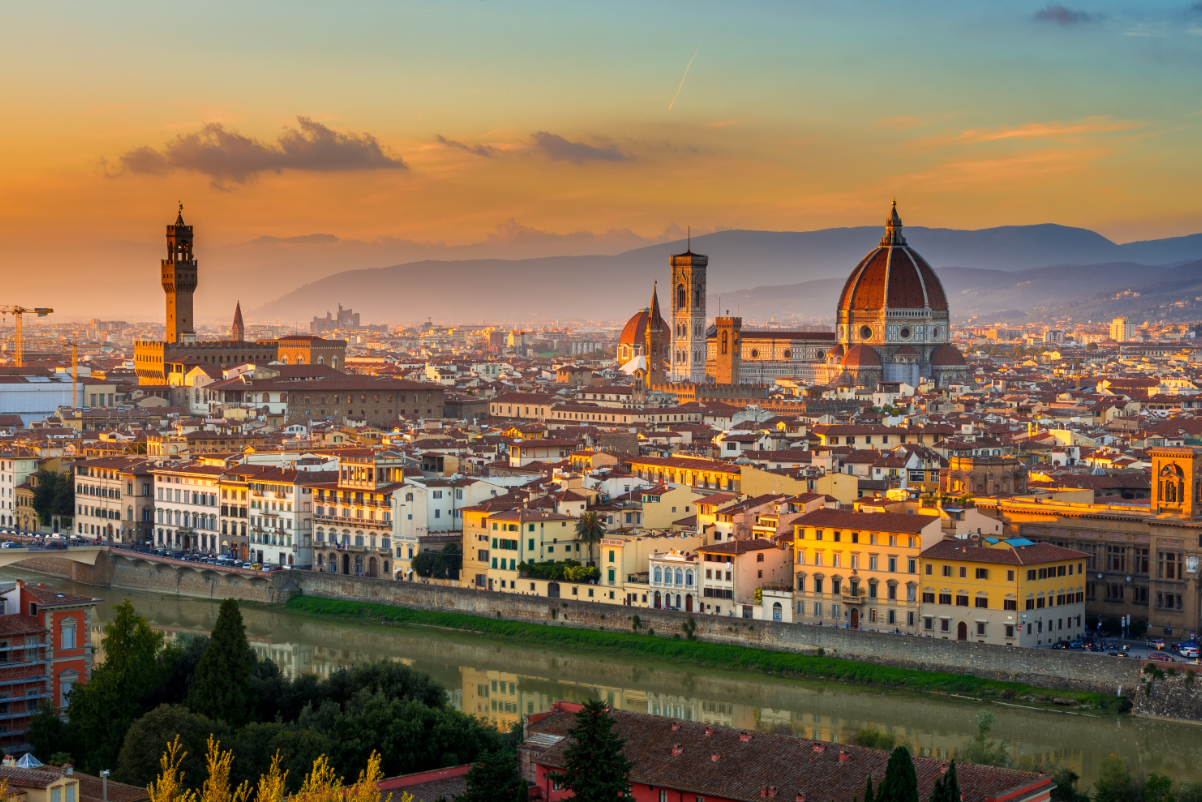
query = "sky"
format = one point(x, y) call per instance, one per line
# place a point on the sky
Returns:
point(516, 124)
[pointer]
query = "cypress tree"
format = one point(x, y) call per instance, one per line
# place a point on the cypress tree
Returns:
point(868, 790)
point(901, 781)
point(951, 785)
point(597, 771)
point(222, 687)
point(495, 778)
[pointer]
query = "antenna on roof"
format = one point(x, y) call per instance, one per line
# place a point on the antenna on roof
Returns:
point(690, 235)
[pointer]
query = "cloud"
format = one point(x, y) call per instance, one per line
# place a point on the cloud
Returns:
point(228, 156)
point(723, 123)
point(487, 151)
point(1054, 12)
point(1197, 7)
point(1070, 131)
point(559, 149)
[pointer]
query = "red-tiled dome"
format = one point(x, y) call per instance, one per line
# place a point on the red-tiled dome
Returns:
point(893, 276)
point(635, 332)
point(947, 355)
point(861, 356)
point(836, 352)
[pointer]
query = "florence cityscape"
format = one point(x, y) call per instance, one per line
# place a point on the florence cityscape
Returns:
point(648, 401)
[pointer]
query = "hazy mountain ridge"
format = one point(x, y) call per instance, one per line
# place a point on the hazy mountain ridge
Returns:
point(756, 272)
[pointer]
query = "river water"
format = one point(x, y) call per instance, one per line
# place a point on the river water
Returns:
point(502, 682)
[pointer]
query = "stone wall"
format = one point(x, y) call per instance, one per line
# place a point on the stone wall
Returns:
point(1042, 667)
point(1177, 696)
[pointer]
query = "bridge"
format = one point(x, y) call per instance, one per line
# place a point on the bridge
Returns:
point(77, 554)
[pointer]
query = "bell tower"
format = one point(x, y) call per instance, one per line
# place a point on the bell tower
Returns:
point(656, 348)
point(1176, 485)
point(728, 357)
point(179, 281)
point(688, 316)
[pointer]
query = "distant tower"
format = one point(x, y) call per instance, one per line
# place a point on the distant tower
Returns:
point(238, 330)
point(727, 357)
point(658, 339)
point(179, 281)
point(688, 316)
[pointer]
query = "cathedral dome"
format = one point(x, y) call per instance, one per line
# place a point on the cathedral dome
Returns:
point(947, 355)
point(635, 332)
point(862, 356)
point(893, 276)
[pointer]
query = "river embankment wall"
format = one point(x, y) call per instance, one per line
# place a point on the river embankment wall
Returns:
point(1043, 668)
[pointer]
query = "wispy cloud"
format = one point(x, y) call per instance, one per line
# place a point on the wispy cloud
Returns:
point(230, 156)
point(1070, 131)
point(724, 123)
point(556, 148)
point(1061, 15)
point(487, 151)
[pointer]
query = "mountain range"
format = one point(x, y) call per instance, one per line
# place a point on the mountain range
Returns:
point(762, 274)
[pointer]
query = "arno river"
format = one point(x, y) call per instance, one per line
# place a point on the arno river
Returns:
point(502, 682)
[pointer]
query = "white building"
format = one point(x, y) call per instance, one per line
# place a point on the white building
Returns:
point(186, 507)
point(15, 468)
point(672, 581)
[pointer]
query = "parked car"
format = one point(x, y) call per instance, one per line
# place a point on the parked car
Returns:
point(1189, 652)
point(255, 567)
point(1162, 657)
point(1077, 644)
point(1060, 644)
point(1155, 643)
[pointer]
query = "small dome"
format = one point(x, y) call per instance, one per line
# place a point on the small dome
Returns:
point(946, 356)
point(861, 356)
point(635, 332)
point(836, 352)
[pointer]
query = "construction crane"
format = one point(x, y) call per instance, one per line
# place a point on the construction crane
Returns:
point(17, 312)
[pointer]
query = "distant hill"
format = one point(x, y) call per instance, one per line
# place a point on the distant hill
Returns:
point(763, 273)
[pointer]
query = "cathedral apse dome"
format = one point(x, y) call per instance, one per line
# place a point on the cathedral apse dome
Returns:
point(895, 305)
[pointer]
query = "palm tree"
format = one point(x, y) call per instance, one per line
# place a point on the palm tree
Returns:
point(590, 529)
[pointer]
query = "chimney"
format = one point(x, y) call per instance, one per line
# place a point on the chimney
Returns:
point(68, 770)
point(764, 791)
point(8, 761)
point(709, 730)
point(771, 791)
point(744, 736)
point(943, 769)
point(714, 757)
point(842, 757)
point(801, 797)
point(675, 725)
point(819, 748)
point(677, 749)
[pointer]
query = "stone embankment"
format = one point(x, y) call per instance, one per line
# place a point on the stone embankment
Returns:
point(1039, 667)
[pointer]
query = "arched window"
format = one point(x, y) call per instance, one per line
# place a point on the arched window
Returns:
point(679, 577)
point(680, 297)
point(688, 578)
point(725, 343)
point(658, 574)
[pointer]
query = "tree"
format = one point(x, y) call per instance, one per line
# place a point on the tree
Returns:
point(1091, 347)
point(868, 795)
point(901, 781)
point(139, 764)
point(981, 750)
point(590, 529)
point(53, 495)
point(222, 687)
point(597, 771)
point(1114, 783)
point(101, 711)
point(445, 564)
point(495, 778)
point(947, 787)
point(1065, 789)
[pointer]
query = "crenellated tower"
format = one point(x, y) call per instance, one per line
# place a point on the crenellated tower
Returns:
point(728, 355)
point(179, 281)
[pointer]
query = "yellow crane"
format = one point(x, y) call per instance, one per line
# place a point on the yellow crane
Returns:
point(17, 312)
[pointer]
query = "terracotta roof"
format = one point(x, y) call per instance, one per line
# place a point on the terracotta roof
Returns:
point(893, 276)
point(877, 521)
point(1018, 555)
point(48, 596)
point(737, 547)
point(862, 356)
point(947, 355)
point(635, 330)
point(18, 624)
point(716, 761)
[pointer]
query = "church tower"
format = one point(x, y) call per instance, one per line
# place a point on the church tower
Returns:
point(179, 281)
point(238, 330)
point(656, 348)
point(688, 316)
point(728, 356)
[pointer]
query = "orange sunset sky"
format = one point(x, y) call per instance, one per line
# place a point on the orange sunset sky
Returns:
point(469, 121)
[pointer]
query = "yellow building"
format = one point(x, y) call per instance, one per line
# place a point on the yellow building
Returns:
point(1002, 591)
point(860, 569)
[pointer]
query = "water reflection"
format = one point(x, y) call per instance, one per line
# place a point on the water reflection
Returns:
point(503, 683)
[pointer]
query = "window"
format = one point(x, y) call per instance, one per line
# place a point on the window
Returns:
point(68, 633)
point(981, 628)
point(961, 600)
point(928, 624)
point(963, 571)
point(1010, 575)
point(947, 570)
point(928, 597)
point(1010, 604)
point(945, 598)
point(982, 573)
point(983, 602)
